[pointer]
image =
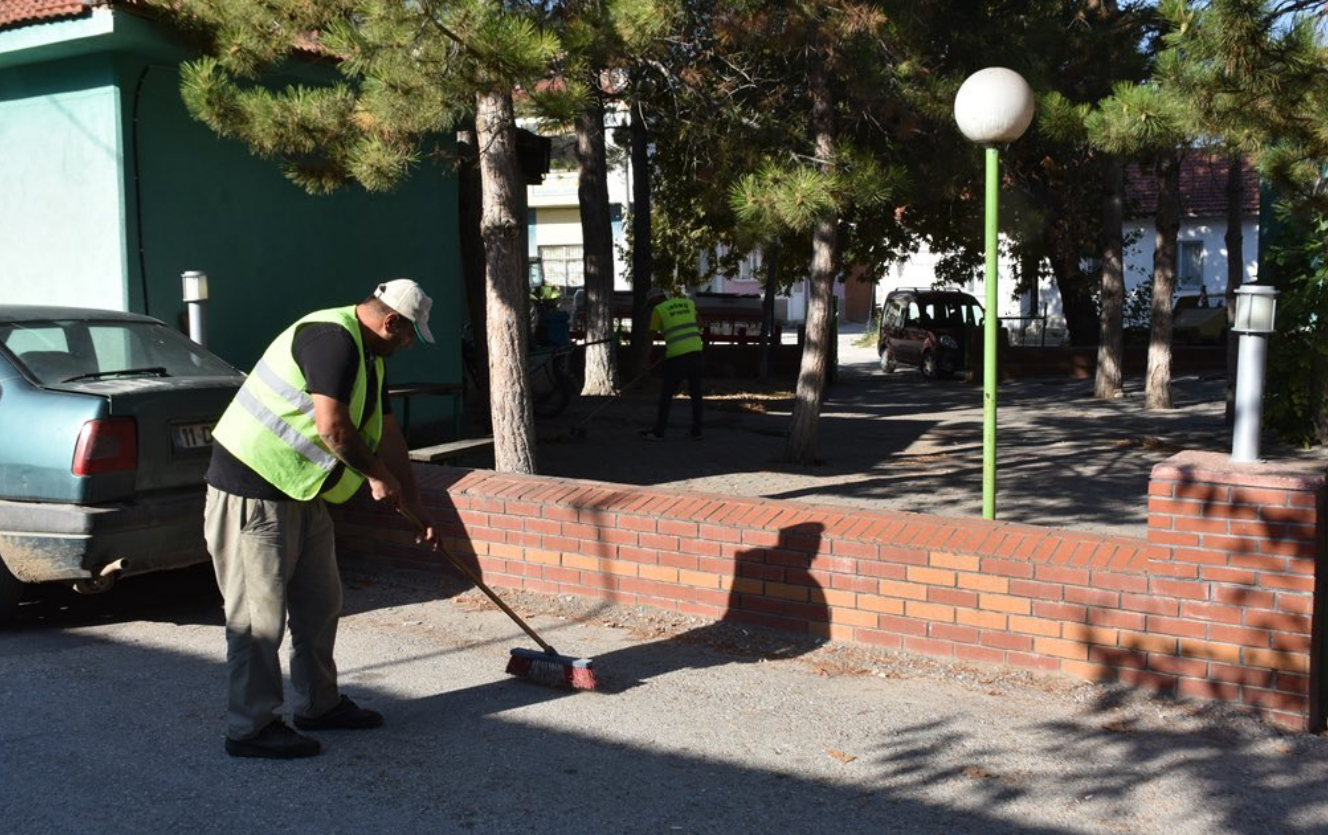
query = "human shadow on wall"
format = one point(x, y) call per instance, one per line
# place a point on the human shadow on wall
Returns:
point(776, 609)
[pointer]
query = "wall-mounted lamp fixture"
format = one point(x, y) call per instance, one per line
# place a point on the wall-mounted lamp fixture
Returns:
point(195, 287)
point(1256, 320)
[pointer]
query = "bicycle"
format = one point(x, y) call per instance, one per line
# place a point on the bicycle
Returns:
point(551, 385)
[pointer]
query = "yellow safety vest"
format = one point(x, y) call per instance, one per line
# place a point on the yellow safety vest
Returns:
point(676, 320)
point(270, 423)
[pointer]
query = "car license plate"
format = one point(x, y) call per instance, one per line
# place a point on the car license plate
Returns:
point(192, 435)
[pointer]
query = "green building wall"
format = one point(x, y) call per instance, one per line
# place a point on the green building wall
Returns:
point(271, 251)
point(109, 191)
point(60, 203)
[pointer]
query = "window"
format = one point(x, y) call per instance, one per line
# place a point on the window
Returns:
point(564, 266)
point(894, 315)
point(57, 351)
point(1189, 265)
point(41, 337)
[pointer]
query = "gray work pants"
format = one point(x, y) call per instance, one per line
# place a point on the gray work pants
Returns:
point(274, 559)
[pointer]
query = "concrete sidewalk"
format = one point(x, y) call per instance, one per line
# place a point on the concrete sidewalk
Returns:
point(902, 442)
point(114, 714)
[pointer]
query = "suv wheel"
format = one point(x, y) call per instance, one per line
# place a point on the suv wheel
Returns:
point(888, 360)
point(929, 367)
point(11, 591)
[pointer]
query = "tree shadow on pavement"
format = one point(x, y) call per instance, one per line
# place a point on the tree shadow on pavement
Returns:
point(1064, 458)
point(503, 755)
point(1130, 775)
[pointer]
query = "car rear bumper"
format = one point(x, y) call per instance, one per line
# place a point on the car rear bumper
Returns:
point(43, 542)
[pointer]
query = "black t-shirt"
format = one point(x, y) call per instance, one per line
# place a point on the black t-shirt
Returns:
point(325, 353)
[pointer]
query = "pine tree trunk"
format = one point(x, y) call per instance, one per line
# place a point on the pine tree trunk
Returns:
point(1030, 264)
point(469, 198)
point(1235, 241)
point(642, 252)
point(597, 238)
point(505, 285)
point(1157, 387)
point(1111, 335)
point(1064, 255)
point(816, 351)
point(768, 309)
point(1318, 396)
point(1318, 386)
point(1108, 378)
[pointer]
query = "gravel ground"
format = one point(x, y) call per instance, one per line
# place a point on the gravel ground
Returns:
point(114, 716)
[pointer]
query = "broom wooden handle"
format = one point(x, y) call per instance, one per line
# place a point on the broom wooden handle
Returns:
point(474, 578)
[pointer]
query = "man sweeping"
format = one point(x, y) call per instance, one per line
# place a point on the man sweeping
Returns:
point(675, 319)
point(307, 428)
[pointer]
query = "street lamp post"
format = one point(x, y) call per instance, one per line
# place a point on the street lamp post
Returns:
point(195, 291)
point(1256, 313)
point(993, 107)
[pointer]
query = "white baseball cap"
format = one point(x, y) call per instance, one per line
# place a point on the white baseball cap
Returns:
point(405, 297)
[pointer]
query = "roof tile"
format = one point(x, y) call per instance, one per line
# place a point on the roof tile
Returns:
point(18, 12)
point(1203, 187)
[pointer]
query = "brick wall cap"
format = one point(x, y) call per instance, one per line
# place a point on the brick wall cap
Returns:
point(1218, 468)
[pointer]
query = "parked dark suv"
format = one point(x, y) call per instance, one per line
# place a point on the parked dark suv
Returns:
point(927, 329)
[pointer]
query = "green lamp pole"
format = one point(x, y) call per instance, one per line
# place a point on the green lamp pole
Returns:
point(993, 107)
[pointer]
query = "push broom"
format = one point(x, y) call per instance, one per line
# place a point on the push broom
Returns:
point(546, 667)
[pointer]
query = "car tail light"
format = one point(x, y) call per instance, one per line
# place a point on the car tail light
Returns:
point(106, 446)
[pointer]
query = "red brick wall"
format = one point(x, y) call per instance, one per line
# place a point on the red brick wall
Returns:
point(1217, 603)
point(1242, 547)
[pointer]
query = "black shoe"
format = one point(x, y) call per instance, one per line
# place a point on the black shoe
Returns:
point(652, 435)
point(346, 716)
point(696, 434)
point(274, 742)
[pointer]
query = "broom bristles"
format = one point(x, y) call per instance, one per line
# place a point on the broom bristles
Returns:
point(552, 670)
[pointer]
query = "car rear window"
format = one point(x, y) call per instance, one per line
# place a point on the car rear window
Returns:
point(60, 351)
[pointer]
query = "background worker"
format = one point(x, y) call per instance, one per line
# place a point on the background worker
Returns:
point(675, 319)
point(308, 427)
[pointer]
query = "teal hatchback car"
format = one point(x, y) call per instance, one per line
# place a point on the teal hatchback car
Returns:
point(105, 434)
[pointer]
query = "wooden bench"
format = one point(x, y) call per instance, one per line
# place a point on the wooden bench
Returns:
point(452, 449)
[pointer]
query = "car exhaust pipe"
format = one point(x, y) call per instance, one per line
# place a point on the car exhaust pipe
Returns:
point(104, 580)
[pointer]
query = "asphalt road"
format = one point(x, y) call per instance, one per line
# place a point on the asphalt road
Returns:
point(113, 716)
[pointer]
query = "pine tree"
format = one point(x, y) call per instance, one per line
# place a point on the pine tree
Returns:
point(814, 80)
point(1149, 122)
point(406, 76)
point(1258, 72)
point(1109, 372)
point(599, 37)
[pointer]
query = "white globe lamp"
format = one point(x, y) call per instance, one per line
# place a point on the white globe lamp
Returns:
point(992, 108)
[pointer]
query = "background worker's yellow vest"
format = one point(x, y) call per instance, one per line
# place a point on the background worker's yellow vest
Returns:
point(270, 423)
point(676, 320)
